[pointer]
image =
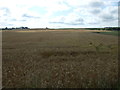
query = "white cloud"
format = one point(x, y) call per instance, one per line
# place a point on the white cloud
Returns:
point(85, 13)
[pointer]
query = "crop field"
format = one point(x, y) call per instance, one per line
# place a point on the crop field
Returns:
point(59, 59)
point(115, 33)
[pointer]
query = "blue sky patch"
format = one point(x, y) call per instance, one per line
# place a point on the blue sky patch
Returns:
point(40, 10)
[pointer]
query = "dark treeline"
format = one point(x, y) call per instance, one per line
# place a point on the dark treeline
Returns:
point(6, 28)
point(106, 28)
point(19, 28)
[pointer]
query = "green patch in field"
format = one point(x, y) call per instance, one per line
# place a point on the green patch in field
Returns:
point(115, 33)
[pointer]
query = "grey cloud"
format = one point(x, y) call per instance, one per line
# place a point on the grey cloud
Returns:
point(5, 24)
point(29, 16)
point(23, 20)
point(108, 18)
point(58, 22)
point(6, 11)
point(95, 11)
point(16, 20)
point(65, 3)
point(73, 23)
point(114, 11)
point(96, 4)
point(79, 21)
point(93, 23)
point(13, 19)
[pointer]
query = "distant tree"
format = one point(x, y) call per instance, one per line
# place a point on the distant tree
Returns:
point(26, 28)
point(46, 28)
point(6, 28)
point(13, 28)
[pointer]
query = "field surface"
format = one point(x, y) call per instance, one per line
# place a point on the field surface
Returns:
point(115, 33)
point(59, 59)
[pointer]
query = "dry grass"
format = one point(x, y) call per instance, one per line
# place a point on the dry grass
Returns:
point(58, 59)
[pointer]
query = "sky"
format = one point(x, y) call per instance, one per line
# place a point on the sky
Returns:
point(59, 13)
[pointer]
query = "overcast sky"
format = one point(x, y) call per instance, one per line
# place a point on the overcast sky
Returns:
point(58, 13)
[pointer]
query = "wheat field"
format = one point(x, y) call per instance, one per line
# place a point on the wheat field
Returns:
point(59, 59)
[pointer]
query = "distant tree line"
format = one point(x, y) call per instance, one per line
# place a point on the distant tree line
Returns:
point(106, 28)
point(6, 28)
point(112, 28)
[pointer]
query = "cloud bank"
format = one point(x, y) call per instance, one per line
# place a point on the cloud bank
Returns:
point(58, 13)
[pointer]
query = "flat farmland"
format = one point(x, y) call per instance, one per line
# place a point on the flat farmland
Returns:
point(59, 59)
